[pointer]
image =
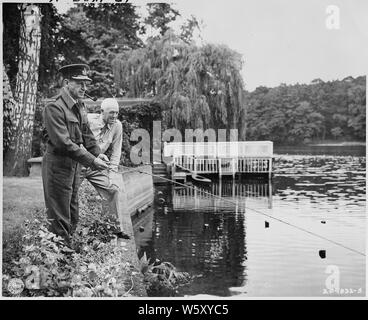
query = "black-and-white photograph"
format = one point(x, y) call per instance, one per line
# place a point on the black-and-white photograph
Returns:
point(188, 149)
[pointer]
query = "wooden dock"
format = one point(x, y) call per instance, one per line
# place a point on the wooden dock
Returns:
point(221, 158)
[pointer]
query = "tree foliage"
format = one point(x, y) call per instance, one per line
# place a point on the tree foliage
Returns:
point(188, 28)
point(160, 15)
point(103, 30)
point(302, 113)
point(197, 87)
point(92, 34)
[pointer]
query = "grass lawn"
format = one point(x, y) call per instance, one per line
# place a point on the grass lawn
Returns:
point(21, 198)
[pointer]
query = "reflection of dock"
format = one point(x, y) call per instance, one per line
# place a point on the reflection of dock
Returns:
point(237, 192)
point(142, 226)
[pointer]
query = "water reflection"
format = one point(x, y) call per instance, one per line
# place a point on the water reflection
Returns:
point(143, 228)
point(201, 234)
point(227, 245)
point(321, 179)
point(212, 196)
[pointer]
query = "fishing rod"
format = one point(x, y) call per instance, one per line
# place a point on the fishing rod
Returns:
point(234, 203)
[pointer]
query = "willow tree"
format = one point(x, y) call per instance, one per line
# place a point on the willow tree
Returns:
point(197, 87)
point(20, 105)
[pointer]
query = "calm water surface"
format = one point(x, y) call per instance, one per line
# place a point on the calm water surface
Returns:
point(225, 242)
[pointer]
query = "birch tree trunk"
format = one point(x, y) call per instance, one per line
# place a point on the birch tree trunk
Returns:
point(22, 108)
point(8, 108)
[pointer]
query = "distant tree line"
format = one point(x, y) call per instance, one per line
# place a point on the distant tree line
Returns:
point(301, 113)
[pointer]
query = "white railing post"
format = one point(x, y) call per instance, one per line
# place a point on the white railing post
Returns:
point(270, 169)
point(219, 167)
point(233, 167)
point(174, 167)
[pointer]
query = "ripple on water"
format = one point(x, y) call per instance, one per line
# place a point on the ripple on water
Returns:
point(237, 255)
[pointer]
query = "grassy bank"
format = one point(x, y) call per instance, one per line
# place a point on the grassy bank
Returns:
point(102, 266)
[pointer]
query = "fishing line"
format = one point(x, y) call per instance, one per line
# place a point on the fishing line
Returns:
point(234, 203)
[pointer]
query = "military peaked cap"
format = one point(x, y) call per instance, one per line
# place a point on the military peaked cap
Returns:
point(75, 71)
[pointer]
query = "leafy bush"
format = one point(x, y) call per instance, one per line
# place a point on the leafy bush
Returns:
point(98, 267)
point(48, 267)
point(162, 278)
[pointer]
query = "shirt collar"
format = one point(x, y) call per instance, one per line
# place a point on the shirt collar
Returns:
point(69, 101)
point(105, 124)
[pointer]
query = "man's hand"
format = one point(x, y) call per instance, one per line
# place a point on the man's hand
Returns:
point(103, 157)
point(100, 164)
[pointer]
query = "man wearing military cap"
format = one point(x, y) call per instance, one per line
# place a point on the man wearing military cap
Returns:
point(71, 144)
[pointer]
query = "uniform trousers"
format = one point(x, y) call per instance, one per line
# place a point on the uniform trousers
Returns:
point(110, 186)
point(61, 181)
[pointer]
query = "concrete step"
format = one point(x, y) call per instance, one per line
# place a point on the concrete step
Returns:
point(157, 179)
point(161, 164)
point(159, 168)
point(159, 171)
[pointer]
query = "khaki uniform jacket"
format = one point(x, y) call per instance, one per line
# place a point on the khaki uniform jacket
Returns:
point(68, 131)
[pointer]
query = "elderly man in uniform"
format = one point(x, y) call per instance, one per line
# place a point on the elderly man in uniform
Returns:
point(71, 144)
point(108, 131)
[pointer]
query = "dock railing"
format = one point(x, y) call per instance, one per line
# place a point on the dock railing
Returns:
point(224, 158)
point(236, 149)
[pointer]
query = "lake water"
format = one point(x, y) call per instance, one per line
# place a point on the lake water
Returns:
point(237, 245)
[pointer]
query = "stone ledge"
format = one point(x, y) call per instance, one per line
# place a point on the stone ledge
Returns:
point(36, 166)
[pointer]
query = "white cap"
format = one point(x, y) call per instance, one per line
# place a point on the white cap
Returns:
point(110, 104)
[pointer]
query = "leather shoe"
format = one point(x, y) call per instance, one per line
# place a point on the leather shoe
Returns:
point(122, 235)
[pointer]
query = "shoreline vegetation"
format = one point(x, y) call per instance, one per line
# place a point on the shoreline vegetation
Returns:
point(102, 266)
point(338, 144)
point(323, 147)
point(326, 143)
